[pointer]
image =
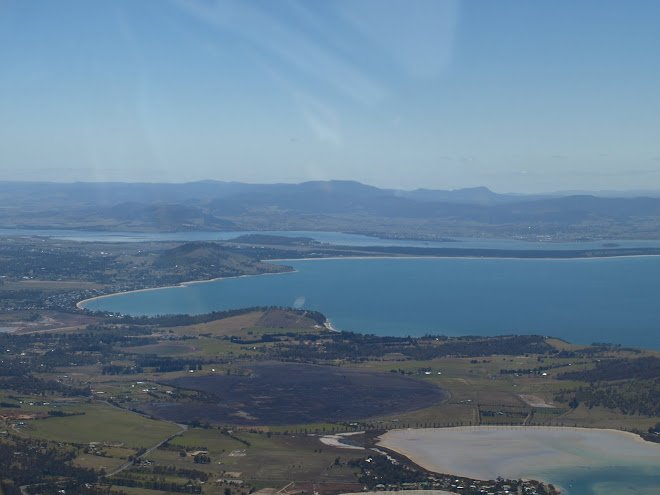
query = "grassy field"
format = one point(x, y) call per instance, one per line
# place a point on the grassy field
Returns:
point(263, 460)
point(477, 386)
point(254, 459)
point(102, 423)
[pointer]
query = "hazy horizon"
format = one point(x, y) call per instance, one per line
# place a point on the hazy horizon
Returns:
point(625, 192)
point(518, 96)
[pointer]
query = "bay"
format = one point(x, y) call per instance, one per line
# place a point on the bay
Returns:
point(582, 301)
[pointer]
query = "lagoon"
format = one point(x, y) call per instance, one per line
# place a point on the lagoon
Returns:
point(582, 301)
point(581, 461)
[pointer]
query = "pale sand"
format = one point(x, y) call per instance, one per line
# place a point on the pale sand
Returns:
point(485, 452)
point(182, 285)
point(534, 400)
point(335, 440)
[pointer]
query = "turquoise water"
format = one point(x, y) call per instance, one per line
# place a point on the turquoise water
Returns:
point(612, 480)
point(582, 301)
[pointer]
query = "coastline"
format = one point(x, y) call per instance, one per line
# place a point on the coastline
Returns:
point(178, 286)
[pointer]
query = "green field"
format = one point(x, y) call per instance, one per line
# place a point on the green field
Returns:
point(102, 423)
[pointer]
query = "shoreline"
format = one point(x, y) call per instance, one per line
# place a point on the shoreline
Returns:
point(178, 286)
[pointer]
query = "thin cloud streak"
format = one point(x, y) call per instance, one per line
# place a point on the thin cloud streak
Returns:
point(293, 48)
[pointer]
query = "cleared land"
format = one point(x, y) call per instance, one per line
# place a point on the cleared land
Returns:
point(284, 393)
point(103, 424)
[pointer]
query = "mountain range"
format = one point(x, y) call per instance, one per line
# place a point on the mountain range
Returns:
point(324, 205)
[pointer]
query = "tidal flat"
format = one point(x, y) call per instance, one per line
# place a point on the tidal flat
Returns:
point(578, 460)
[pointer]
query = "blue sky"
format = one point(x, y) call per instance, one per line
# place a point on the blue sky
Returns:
point(514, 95)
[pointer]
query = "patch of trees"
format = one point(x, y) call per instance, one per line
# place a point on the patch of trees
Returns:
point(478, 346)
point(617, 369)
point(163, 364)
point(156, 484)
point(265, 338)
point(525, 371)
point(26, 461)
point(653, 434)
point(62, 414)
point(234, 437)
point(634, 397)
point(84, 348)
point(13, 367)
point(501, 413)
point(380, 470)
point(21, 294)
point(46, 262)
point(193, 474)
point(114, 369)
point(357, 347)
point(31, 385)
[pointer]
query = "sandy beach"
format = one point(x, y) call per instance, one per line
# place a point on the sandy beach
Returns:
point(80, 304)
point(485, 452)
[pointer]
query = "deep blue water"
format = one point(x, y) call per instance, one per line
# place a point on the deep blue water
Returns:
point(582, 301)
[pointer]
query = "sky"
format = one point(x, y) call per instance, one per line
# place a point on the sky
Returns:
point(515, 95)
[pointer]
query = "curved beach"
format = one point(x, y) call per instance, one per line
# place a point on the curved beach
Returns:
point(182, 285)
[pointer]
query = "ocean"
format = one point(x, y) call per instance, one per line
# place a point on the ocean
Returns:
point(582, 301)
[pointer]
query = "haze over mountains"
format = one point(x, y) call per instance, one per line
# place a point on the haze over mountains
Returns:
point(325, 205)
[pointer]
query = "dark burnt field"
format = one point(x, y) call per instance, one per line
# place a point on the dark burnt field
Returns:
point(284, 393)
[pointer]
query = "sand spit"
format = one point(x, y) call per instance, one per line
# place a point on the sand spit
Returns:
point(339, 439)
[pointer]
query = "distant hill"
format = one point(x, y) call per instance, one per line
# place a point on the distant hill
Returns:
point(472, 195)
point(162, 216)
point(206, 260)
point(346, 206)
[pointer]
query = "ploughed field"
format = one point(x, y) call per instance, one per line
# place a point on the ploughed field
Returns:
point(288, 394)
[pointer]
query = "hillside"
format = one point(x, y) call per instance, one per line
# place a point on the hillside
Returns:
point(205, 260)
